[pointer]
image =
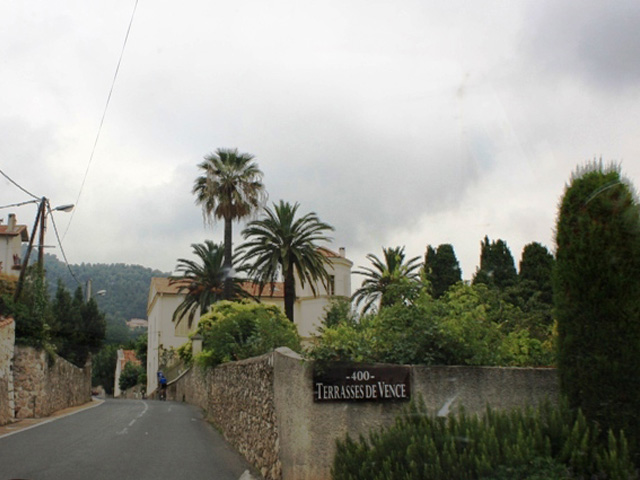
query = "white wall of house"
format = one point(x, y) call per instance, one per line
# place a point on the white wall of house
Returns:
point(11, 239)
point(162, 332)
point(116, 387)
point(308, 310)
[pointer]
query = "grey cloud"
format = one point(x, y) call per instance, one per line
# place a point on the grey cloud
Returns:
point(597, 41)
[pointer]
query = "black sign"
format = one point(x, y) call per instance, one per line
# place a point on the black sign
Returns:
point(362, 383)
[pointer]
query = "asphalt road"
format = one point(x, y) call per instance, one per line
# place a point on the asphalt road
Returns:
point(122, 439)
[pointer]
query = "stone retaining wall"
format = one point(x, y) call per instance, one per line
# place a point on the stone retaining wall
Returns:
point(239, 399)
point(7, 340)
point(44, 385)
point(133, 393)
point(265, 409)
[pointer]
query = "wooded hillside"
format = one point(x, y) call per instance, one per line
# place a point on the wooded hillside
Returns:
point(127, 287)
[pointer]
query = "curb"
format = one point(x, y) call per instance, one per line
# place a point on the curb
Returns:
point(29, 423)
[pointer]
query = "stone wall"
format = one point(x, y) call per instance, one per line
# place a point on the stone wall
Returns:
point(264, 406)
point(44, 384)
point(238, 398)
point(308, 430)
point(7, 339)
point(134, 393)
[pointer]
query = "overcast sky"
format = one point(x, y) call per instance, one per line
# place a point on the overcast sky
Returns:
point(407, 122)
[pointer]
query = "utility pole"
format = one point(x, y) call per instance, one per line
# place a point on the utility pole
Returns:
point(41, 221)
point(44, 203)
point(25, 262)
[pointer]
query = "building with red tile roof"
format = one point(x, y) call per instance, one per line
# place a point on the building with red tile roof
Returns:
point(124, 357)
point(12, 236)
point(164, 298)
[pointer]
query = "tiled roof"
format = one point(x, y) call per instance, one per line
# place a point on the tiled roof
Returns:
point(129, 356)
point(19, 230)
point(163, 286)
point(328, 253)
point(4, 321)
point(275, 290)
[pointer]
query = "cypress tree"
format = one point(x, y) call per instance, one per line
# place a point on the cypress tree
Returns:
point(596, 284)
point(535, 271)
point(442, 268)
point(497, 267)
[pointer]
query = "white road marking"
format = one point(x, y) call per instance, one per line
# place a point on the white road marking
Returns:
point(125, 430)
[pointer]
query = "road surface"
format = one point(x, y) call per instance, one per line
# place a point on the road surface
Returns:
point(122, 439)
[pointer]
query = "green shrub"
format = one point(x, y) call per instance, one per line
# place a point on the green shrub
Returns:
point(185, 353)
point(234, 331)
point(468, 325)
point(544, 443)
point(31, 311)
point(131, 376)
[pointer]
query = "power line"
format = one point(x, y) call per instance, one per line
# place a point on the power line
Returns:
point(64, 255)
point(104, 114)
point(19, 204)
point(20, 187)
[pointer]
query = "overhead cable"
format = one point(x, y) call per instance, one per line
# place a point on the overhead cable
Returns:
point(64, 255)
point(20, 187)
point(104, 114)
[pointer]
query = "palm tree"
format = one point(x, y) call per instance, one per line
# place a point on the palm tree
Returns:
point(229, 188)
point(385, 281)
point(281, 243)
point(203, 281)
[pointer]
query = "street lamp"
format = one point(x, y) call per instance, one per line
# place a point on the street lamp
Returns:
point(41, 221)
point(43, 224)
point(99, 293)
point(63, 208)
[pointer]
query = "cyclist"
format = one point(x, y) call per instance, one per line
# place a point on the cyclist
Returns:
point(162, 380)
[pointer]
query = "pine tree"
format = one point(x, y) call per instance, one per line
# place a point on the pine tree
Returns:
point(596, 285)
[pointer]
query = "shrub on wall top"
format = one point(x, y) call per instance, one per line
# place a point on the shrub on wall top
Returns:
point(235, 331)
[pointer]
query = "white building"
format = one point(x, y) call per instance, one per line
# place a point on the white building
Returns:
point(162, 333)
point(164, 298)
point(11, 238)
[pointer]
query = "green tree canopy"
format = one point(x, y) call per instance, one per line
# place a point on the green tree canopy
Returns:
point(497, 267)
point(131, 375)
point(536, 268)
point(202, 280)
point(230, 188)
point(281, 242)
point(390, 280)
point(78, 328)
point(103, 368)
point(442, 269)
point(596, 286)
point(234, 331)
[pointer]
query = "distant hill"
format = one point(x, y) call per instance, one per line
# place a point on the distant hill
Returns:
point(127, 288)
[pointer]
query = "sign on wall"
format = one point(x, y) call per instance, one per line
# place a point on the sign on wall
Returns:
point(362, 383)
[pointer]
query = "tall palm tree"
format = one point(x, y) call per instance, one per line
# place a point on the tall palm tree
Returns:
point(201, 280)
point(281, 243)
point(383, 283)
point(229, 188)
